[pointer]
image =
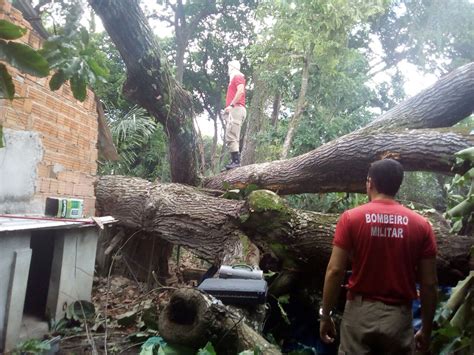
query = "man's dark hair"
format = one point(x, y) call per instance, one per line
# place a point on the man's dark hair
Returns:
point(386, 175)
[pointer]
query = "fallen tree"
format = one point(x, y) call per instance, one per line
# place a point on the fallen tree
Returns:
point(214, 227)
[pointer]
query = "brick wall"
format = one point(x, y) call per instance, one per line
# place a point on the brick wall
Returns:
point(68, 129)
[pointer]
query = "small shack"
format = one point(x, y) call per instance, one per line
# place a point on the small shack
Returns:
point(45, 265)
point(52, 143)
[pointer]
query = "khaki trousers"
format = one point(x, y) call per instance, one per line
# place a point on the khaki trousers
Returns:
point(372, 327)
point(234, 120)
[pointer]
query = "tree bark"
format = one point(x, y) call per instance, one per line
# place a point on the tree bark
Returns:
point(443, 104)
point(300, 104)
point(213, 227)
point(447, 102)
point(193, 318)
point(150, 83)
point(342, 164)
point(276, 109)
point(214, 155)
point(185, 25)
point(174, 212)
point(256, 121)
point(201, 150)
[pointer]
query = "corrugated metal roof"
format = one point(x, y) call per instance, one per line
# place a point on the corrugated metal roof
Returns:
point(9, 223)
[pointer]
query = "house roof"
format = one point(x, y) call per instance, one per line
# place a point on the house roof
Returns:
point(10, 223)
point(31, 15)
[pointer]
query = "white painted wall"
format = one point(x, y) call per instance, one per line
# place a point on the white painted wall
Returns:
point(18, 172)
point(9, 243)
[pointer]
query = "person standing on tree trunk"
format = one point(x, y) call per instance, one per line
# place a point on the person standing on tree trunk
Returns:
point(391, 248)
point(235, 112)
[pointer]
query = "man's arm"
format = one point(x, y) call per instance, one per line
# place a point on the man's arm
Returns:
point(428, 295)
point(332, 285)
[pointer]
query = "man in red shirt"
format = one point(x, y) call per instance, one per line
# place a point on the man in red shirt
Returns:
point(390, 247)
point(235, 112)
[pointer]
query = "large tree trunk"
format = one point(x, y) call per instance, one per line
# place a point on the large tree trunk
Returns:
point(150, 83)
point(212, 227)
point(174, 212)
point(443, 104)
point(342, 164)
point(447, 102)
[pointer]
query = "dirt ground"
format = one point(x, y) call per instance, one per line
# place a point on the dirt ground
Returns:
point(126, 313)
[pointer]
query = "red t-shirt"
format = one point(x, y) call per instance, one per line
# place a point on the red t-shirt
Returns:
point(232, 89)
point(386, 241)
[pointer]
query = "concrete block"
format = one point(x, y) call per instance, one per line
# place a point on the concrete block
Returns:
point(72, 271)
point(16, 297)
point(9, 243)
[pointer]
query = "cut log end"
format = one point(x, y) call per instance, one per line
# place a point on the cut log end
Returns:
point(192, 318)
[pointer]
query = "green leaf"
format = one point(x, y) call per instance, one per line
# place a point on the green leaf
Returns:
point(32, 346)
point(127, 319)
point(269, 274)
point(470, 173)
point(207, 350)
point(175, 350)
point(250, 188)
point(283, 300)
point(58, 79)
point(244, 217)
point(458, 293)
point(462, 209)
point(449, 331)
point(73, 67)
point(158, 343)
point(451, 346)
point(466, 154)
point(78, 87)
point(151, 344)
point(24, 58)
point(9, 30)
point(7, 89)
point(97, 68)
point(84, 36)
point(80, 310)
point(457, 225)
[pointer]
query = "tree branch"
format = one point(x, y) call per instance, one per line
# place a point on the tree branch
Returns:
point(342, 164)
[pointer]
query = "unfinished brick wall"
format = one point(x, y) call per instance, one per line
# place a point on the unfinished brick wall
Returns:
point(68, 129)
